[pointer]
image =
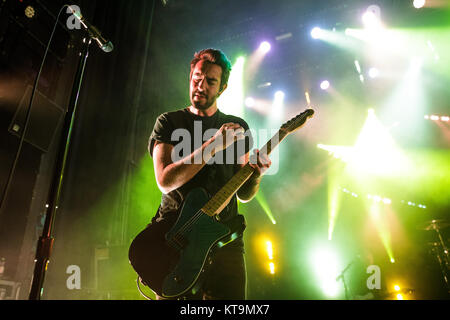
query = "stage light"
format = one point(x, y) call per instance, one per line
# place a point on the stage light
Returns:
point(316, 33)
point(283, 36)
point(418, 3)
point(272, 268)
point(29, 12)
point(416, 63)
point(269, 249)
point(397, 287)
point(325, 264)
point(445, 118)
point(232, 100)
point(277, 110)
point(308, 99)
point(334, 201)
point(265, 46)
point(324, 85)
point(373, 73)
point(249, 102)
point(434, 117)
point(358, 66)
point(375, 152)
point(279, 96)
point(371, 20)
point(399, 296)
point(264, 85)
point(264, 205)
point(269, 256)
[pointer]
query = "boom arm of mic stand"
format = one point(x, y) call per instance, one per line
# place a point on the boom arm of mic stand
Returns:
point(45, 242)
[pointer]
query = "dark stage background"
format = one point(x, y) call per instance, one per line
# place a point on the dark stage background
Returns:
point(109, 192)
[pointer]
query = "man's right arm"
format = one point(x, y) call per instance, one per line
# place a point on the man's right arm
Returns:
point(172, 175)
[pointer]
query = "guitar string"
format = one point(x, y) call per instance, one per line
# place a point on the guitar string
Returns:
point(187, 225)
point(192, 220)
point(179, 234)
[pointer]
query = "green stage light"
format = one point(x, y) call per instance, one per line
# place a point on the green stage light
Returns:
point(263, 203)
point(380, 221)
point(334, 198)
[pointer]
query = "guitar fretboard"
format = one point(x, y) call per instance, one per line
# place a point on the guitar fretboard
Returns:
point(219, 201)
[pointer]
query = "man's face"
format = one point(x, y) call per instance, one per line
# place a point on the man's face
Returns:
point(205, 84)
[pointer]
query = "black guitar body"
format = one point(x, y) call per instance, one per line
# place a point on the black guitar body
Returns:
point(170, 258)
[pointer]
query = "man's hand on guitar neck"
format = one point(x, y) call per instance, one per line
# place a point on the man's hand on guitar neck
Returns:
point(260, 162)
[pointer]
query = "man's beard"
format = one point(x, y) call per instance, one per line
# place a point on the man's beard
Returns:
point(203, 106)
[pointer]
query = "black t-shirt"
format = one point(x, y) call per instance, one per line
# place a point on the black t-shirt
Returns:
point(213, 176)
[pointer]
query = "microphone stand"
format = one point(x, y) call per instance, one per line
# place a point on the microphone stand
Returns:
point(341, 276)
point(45, 242)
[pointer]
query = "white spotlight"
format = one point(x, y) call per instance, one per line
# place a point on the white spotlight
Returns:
point(265, 47)
point(416, 62)
point(249, 102)
point(279, 96)
point(324, 85)
point(372, 17)
point(373, 72)
point(418, 3)
point(316, 33)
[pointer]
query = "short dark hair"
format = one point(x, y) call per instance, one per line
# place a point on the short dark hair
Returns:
point(213, 56)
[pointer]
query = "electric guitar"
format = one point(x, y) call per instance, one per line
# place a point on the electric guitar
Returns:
point(169, 258)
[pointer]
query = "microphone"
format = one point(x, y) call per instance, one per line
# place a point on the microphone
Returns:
point(104, 44)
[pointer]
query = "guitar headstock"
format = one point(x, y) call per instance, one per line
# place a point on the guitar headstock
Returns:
point(298, 121)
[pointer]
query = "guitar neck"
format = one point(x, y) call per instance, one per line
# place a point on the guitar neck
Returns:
point(221, 198)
